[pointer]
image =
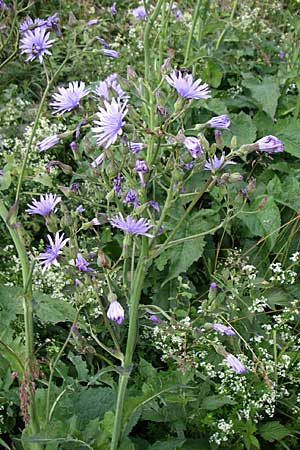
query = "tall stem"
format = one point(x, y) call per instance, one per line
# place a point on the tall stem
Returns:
point(225, 29)
point(131, 341)
point(189, 42)
point(28, 316)
point(147, 36)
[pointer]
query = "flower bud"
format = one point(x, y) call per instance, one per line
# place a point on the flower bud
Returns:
point(235, 177)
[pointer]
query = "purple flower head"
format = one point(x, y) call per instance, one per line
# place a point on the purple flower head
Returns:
point(52, 251)
point(213, 285)
point(194, 146)
point(222, 122)
point(281, 54)
point(105, 88)
point(73, 146)
point(82, 264)
point(80, 209)
point(216, 163)
point(115, 312)
point(44, 206)
point(223, 329)
point(117, 183)
point(113, 8)
point(3, 5)
point(139, 12)
point(98, 161)
point(270, 144)
point(111, 78)
point(154, 205)
point(187, 87)
point(132, 226)
point(92, 22)
point(111, 53)
point(75, 186)
point(29, 24)
point(141, 168)
point(132, 197)
point(36, 44)
point(48, 142)
point(136, 147)
point(155, 319)
point(188, 165)
point(102, 90)
point(235, 363)
point(177, 13)
point(68, 98)
point(109, 125)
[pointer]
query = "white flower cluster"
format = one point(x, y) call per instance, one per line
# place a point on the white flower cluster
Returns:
point(225, 431)
point(282, 276)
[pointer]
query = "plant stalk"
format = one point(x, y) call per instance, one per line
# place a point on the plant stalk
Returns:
point(189, 42)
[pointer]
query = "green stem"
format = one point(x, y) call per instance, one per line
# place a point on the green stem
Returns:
point(34, 128)
point(228, 25)
point(147, 36)
point(189, 42)
point(131, 341)
point(162, 39)
point(28, 314)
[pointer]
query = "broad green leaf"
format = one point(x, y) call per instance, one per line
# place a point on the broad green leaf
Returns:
point(52, 310)
point(263, 219)
point(174, 444)
point(242, 127)
point(216, 106)
point(288, 131)
point(5, 181)
point(278, 296)
point(273, 431)
point(216, 401)
point(80, 365)
point(212, 73)
point(266, 93)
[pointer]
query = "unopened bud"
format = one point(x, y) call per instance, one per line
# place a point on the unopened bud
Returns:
point(235, 177)
point(111, 297)
point(233, 143)
point(219, 139)
point(101, 259)
point(204, 142)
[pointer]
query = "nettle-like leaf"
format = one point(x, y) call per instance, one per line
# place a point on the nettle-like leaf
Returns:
point(288, 131)
point(265, 93)
point(243, 127)
point(262, 218)
point(273, 431)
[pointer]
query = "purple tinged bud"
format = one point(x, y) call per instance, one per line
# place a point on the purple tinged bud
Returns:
point(82, 264)
point(95, 221)
point(222, 122)
point(102, 41)
point(115, 312)
point(132, 197)
point(235, 364)
point(117, 183)
point(155, 319)
point(98, 161)
point(139, 12)
point(92, 22)
point(270, 144)
point(136, 147)
point(80, 209)
point(73, 146)
point(194, 146)
point(281, 54)
point(141, 168)
point(48, 142)
point(110, 53)
point(113, 8)
point(78, 128)
point(213, 285)
point(154, 205)
point(75, 186)
point(223, 329)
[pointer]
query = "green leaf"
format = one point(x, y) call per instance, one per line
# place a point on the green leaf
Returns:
point(4, 444)
point(216, 106)
point(273, 431)
point(5, 181)
point(266, 93)
point(243, 128)
point(212, 73)
point(263, 219)
point(173, 444)
point(278, 296)
point(146, 369)
point(288, 131)
point(52, 310)
point(216, 401)
point(80, 365)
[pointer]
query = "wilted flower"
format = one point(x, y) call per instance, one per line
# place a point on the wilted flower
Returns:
point(109, 125)
point(44, 206)
point(117, 183)
point(111, 53)
point(141, 168)
point(52, 251)
point(139, 12)
point(92, 22)
point(3, 5)
point(68, 98)
point(187, 87)
point(219, 122)
point(223, 329)
point(98, 161)
point(135, 147)
point(132, 226)
point(82, 264)
point(36, 44)
point(102, 41)
point(154, 205)
point(155, 319)
point(270, 144)
point(48, 142)
point(113, 8)
point(194, 146)
point(102, 90)
point(115, 312)
point(80, 209)
point(132, 197)
point(235, 363)
point(216, 163)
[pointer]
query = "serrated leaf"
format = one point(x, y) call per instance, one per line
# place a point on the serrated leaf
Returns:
point(288, 131)
point(52, 310)
point(216, 401)
point(216, 106)
point(273, 431)
point(266, 93)
point(243, 127)
point(174, 444)
point(5, 181)
point(80, 366)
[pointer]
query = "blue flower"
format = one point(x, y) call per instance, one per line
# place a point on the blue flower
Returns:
point(216, 163)
point(111, 53)
point(223, 329)
point(36, 44)
point(235, 363)
point(270, 144)
point(219, 122)
point(48, 142)
point(132, 197)
point(194, 146)
point(115, 312)
point(82, 264)
point(139, 12)
point(109, 125)
point(52, 251)
point(187, 87)
point(44, 206)
point(68, 98)
point(132, 226)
